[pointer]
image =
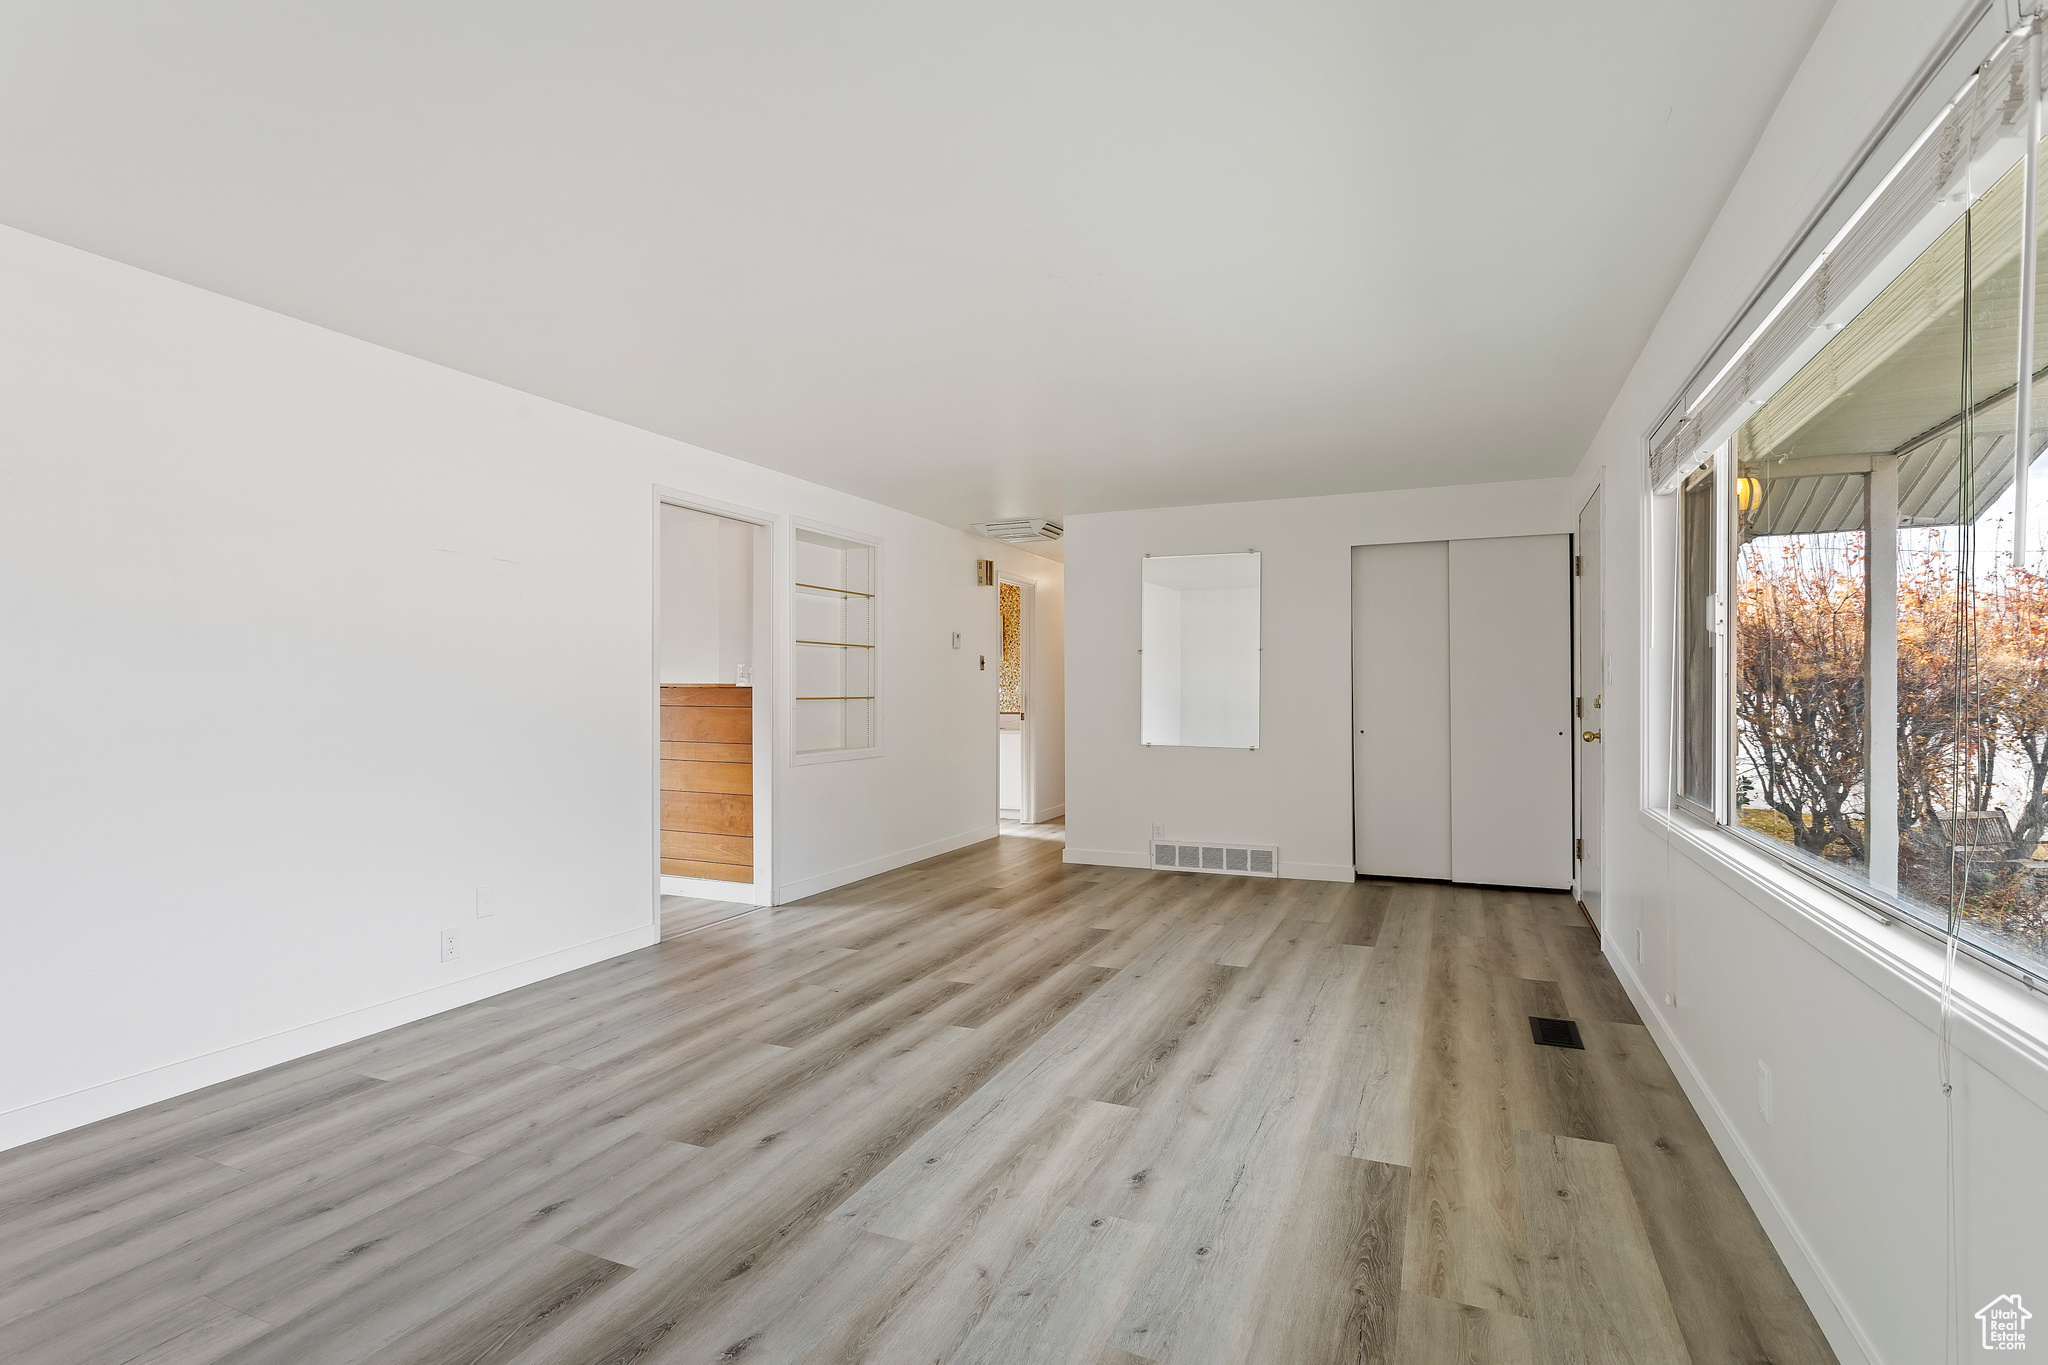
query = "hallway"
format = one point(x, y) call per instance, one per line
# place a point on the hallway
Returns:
point(988, 1107)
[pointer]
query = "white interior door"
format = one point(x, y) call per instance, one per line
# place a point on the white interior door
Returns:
point(1591, 720)
point(1510, 711)
point(1401, 710)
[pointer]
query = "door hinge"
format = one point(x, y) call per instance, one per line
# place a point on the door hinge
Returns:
point(1578, 708)
point(1579, 849)
point(1578, 566)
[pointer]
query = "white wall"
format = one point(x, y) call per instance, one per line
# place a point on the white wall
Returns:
point(305, 640)
point(1724, 959)
point(1294, 791)
point(707, 596)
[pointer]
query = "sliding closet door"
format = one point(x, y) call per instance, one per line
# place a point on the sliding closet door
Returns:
point(1510, 706)
point(1401, 709)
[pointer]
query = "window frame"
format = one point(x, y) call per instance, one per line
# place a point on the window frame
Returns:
point(1887, 908)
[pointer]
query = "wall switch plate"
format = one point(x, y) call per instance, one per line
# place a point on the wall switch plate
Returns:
point(1763, 1090)
point(956, 639)
point(1639, 947)
point(450, 945)
point(486, 901)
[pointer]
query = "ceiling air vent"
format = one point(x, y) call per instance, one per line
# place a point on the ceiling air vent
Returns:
point(1233, 860)
point(1019, 529)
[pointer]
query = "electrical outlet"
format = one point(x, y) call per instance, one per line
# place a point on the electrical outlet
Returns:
point(486, 901)
point(1763, 1090)
point(451, 946)
point(746, 676)
point(1158, 830)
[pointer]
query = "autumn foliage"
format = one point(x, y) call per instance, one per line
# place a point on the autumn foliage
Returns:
point(1971, 729)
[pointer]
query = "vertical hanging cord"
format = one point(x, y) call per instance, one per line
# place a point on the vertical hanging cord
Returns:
point(1962, 757)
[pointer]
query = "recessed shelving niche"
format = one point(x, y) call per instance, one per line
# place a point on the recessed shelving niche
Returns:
point(836, 597)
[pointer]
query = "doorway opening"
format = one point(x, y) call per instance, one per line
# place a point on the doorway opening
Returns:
point(715, 743)
point(1014, 601)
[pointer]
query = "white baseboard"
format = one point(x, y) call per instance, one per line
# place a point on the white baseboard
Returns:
point(1307, 872)
point(65, 1112)
point(1048, 813)
point(1852, 1345)
point(1319, 872)
point(1104, 857)
point(710, 889)
point(825, 881)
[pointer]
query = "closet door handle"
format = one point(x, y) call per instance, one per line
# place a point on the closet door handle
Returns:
point(1590, 735)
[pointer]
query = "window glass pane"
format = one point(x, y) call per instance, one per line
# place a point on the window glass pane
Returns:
point(1696, 636)
point(1800, 659)
point(1901, 738)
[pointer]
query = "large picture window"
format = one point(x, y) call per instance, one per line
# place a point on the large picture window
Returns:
point(1862, 626)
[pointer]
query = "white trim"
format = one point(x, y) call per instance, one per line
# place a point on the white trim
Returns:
point(769, 670)
point(62, 1113)
point(1104, 857)
point(1999, 1023)
point(825, 881)
point(1845, 1333)
point(711, 889)
point(1049, 814)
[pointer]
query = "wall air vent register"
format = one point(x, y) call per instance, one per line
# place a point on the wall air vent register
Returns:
point(1235, 860)
point(1019, 530)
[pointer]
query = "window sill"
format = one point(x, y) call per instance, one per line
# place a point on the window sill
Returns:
point(1999, 1023)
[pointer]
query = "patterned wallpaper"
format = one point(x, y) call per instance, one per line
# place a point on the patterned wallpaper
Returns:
point(1013, 647)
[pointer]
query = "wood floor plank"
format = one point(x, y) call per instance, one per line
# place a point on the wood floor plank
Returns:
point(1465, 1240)
point(1198, 1297)
point(1434, 1332)
point(1599, 1296)
point(1370, 1110)
point(217, 1333)
point(1730, 1293)
point(1062, 1303)
point(970, 1228)
point(1589, 985)
point(986, 1107)
point(1331, 1292)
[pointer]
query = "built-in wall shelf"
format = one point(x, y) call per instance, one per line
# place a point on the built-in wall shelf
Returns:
point(834, 659)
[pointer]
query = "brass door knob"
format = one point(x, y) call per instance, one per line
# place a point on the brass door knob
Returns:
point(1590, 735)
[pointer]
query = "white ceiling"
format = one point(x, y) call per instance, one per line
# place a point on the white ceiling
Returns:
point(970, 260)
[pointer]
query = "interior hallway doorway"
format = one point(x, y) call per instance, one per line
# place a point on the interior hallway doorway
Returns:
point(1015, 600)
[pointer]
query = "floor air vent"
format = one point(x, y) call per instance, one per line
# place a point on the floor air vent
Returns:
point(1235, 860)
point(1556, 1032)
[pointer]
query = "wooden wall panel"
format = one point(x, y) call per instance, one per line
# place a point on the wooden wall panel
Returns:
point(708, 753)
point(707, 777)
point(718, 872)
point(707, 782)
point(707, 724)
point(708, 848)
point(720, 695)
point(707, 813)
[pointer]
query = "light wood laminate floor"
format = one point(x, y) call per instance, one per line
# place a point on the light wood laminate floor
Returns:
point(986, 1108)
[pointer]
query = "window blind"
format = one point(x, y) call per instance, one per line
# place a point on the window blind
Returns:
point(1975, 138)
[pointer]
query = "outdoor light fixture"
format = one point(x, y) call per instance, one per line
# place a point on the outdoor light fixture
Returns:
point(1749, 494)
